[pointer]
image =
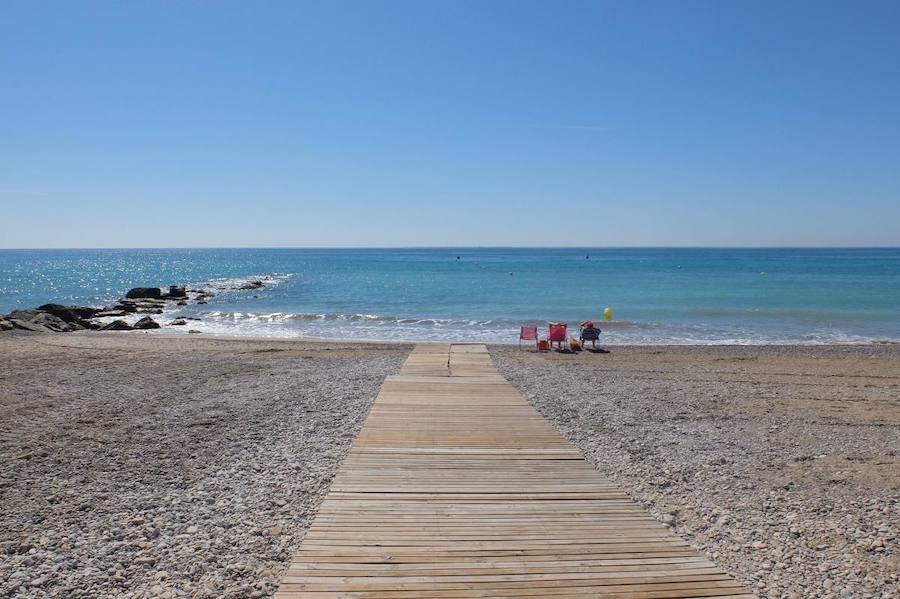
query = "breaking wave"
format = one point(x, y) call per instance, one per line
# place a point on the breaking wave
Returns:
point(376, 327)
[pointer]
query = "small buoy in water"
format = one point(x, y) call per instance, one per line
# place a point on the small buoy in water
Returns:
point(607, 314)
point(510, 273)
point(679, 267)
point(587, 257)
point(762, 274)
point(457, 257)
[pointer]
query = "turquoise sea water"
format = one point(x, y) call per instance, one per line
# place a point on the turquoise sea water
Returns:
point(657, 295)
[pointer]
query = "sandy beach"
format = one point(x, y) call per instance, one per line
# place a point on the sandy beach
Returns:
point(150, 466)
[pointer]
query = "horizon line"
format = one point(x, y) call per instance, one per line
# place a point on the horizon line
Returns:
point(458, 247)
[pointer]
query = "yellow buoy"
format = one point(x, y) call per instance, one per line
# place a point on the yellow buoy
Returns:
point(607, 314)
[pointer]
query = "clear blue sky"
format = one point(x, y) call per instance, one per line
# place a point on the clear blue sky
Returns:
point(449, 123)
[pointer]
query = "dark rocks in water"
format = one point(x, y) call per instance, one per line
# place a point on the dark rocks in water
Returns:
point(142, 292)
point(54, 317)
point(51, 307)
point(117, 325)
point(194, 331)
point(105, 313)
point(69, 313)
point(144, 303)
point(146, 323)
point(181, 321)
point(132, 306)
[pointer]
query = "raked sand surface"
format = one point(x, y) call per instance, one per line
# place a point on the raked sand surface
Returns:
point(139, 465)
point(782, 463)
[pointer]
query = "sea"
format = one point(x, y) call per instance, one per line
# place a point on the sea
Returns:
point(655, 295)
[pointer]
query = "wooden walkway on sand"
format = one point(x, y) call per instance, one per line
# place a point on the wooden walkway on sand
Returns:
point(456, 487)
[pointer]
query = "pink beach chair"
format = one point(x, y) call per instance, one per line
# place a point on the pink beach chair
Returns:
point(557, 333)
point(527, 334)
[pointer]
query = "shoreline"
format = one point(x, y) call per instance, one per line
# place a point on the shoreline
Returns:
point(173, 334)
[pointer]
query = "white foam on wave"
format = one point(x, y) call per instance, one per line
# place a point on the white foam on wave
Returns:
point(372, 327)
point(233, 284)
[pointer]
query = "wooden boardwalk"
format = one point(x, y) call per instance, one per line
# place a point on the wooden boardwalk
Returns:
point(456, 487)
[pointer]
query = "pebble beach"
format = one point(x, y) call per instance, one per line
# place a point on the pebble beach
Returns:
point(143, 465)
point(781, 463)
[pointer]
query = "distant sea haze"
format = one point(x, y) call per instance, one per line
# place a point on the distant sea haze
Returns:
point(657, 296)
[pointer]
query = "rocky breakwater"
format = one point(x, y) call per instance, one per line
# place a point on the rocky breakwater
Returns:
point(129, 313)
point(149, 300)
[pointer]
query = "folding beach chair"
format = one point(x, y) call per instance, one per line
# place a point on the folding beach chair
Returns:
point(527, 334)
point(557, 333)
point(590, 334)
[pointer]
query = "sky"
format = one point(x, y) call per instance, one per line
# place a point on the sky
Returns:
point(231, 124)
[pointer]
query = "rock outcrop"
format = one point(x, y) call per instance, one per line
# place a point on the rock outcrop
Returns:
point(117, 325)
point(37, 321)
point(59, 318)
point(69, 313)
point(142, 292)
point(146, 323)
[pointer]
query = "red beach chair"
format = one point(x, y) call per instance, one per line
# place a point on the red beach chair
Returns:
point(527, 334)
point(557, 333)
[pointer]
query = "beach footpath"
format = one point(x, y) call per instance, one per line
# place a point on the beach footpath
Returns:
point(457, 487)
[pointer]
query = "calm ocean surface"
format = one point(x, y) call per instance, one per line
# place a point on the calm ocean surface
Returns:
point(657, 295)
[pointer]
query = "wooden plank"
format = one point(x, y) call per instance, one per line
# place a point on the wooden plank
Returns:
point(456, 487)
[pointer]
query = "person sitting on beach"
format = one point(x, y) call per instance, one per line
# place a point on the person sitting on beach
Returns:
point(589, 333)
